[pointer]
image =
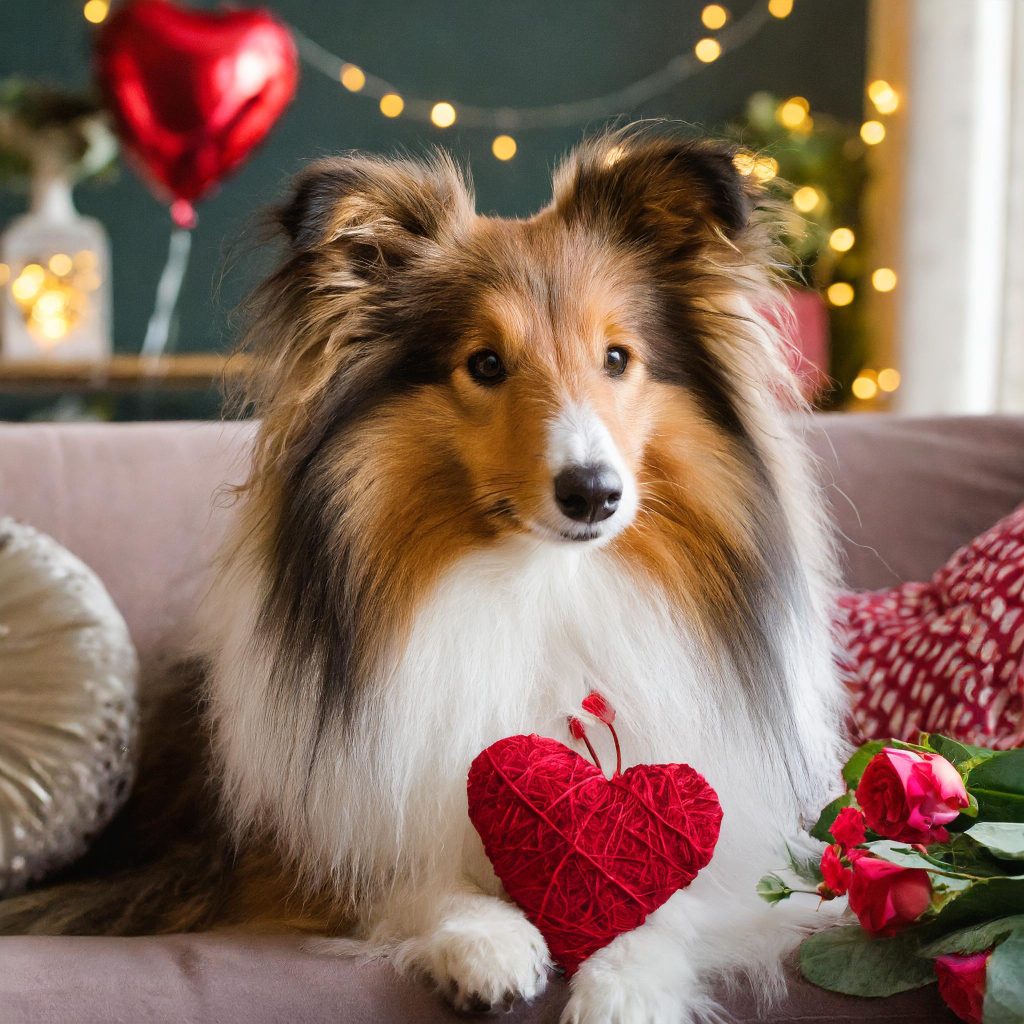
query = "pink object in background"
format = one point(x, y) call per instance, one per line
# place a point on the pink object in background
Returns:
point(809, 334)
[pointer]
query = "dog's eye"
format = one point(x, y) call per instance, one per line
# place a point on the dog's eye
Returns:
point(486, 367)
point(615, 360)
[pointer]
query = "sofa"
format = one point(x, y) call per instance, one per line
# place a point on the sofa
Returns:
point(145, 506)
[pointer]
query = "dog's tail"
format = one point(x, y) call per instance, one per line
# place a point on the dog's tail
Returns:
point(182, 891)
point(167, 862)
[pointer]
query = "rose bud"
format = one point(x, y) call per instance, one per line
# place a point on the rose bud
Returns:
point(597, 706)
point(848, 828)
point(909, 796)
point(835, 874)
point(886, 897)
point(962, 983)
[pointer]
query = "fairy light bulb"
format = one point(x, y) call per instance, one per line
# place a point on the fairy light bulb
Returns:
point(889, 380)
point(872, 132)
point(443, 114)
point(714, 16)
point(884, 279)
point(793, 112)
point(708, 50)
point(352, 77)
point(807, 198)
point(765, 168)
point(95, 11)
point(884, 97)
point(842, 239)
point(504, 147)
point(60, 264)
point(391, 104)
point(780, 8)
point(744, 162)
point(864, 388)
point(840, 294)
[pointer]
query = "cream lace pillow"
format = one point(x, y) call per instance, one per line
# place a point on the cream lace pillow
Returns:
point(68, 710)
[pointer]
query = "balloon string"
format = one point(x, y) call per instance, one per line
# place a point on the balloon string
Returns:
point(168, 290)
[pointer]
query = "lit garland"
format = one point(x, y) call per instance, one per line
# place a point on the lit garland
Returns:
point(393, 103)
point(793, 114)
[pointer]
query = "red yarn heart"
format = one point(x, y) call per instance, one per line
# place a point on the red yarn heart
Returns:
point(588, 858)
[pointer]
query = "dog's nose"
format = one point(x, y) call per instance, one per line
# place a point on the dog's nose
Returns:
point(588, 494)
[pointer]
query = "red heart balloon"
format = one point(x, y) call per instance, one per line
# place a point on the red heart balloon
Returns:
point(193, 91)
point(587, 857)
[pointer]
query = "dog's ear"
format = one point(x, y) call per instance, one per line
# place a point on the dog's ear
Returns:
point(660, 192)
point(377, 214)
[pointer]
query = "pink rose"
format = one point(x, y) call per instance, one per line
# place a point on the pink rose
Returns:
point(836, 875)
point(910, 796)
point(848, 828)
point(886, 897)
point(962, 983)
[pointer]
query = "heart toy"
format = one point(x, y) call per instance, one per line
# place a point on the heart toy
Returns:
point(587, 857)
point(193, 92)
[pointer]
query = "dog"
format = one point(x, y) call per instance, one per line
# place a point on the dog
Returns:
point(501, 463)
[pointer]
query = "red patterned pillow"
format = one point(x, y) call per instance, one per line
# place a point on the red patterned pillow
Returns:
point(944, 656)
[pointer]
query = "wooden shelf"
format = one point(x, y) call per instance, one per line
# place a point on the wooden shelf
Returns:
point(121, 373)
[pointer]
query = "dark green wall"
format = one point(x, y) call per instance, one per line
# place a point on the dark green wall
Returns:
point(480, 51)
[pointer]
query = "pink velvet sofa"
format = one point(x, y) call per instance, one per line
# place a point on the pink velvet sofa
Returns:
point(143, 505)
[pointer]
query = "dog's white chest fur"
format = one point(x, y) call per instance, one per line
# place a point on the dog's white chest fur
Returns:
point(511, 641)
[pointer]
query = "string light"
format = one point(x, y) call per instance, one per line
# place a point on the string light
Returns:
point(735, 33)
point(504, 147)
point(708, 50)
point(793, 112)
point(96, 11)
point(842, 239)
point(352, 77)
point(391, 104)
point(889, 379)
point(714, 16)
point(883, 96)
point(840, 293)
point(864, 388)
point(872, 132)
point(443, 114)
point(807, 198)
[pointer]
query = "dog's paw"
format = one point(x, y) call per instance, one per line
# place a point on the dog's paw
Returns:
point(603, 996)
point(485, 958)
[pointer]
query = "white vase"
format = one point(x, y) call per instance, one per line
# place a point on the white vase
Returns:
point(55, 272)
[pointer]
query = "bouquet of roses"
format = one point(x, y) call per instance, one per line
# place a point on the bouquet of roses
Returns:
point(927, 845)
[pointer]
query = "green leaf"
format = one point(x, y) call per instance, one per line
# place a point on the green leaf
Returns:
point(808, 868)
point(985, 900)
point(905, 857)
point(998, 786)
point(773, 889)
point(829, 815)
point(854, 768)
point(1004, 838)
point(850, 961)
point(974, 938)
point(957, 753)
point(1004, 983)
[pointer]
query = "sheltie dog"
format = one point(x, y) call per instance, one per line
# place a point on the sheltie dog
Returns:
point(501, 463)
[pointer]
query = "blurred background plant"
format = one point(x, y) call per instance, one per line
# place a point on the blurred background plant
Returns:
point(65, 129)
point(817, 164)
